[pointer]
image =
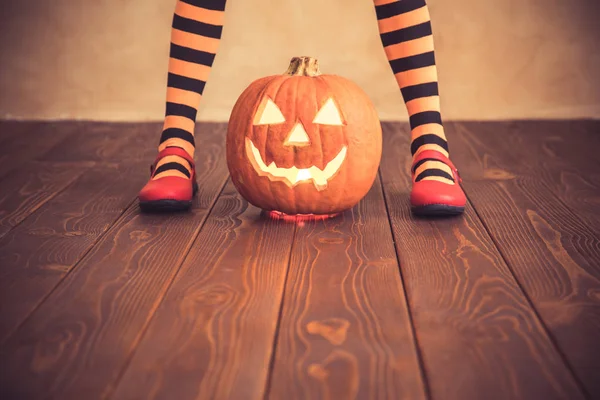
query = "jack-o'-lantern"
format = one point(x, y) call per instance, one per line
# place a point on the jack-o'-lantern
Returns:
point(303, 142)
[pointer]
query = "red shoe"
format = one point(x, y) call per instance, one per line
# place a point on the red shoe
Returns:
point(171, 193)
point(430, 197)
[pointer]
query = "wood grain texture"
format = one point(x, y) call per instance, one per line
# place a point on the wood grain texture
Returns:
point(133, 318)
point(561, 155)
point(27, 189)
point(39, 252)
point(476, 330)
point(547, 234)
point(65, 149)
point(11, 129)
point(24, 141)
point(76, 343)
point(554, 143)
point(108, 142)
point(212, 337)
point(345, 330)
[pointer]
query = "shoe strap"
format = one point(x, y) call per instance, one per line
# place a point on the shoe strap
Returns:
point(435, 155)
point(172, 151)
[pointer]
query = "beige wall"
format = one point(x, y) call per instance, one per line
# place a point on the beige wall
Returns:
point(107, 59)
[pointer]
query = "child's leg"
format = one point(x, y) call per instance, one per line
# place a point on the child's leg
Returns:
point(405, 29)
point(195, 36)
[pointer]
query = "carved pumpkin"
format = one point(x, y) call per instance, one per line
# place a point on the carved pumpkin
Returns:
point(302, 142)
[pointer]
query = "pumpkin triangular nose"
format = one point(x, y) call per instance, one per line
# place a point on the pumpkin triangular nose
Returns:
point(298, 136)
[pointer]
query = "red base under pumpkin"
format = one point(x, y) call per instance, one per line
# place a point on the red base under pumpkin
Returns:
point(298, 217)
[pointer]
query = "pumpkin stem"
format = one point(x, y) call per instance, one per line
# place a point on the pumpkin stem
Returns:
point(303, 66)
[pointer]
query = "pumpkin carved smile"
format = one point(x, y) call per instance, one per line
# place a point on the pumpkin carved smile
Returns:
point(294, 175)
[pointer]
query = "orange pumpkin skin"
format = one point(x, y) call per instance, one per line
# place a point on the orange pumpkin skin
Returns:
point(300, 98)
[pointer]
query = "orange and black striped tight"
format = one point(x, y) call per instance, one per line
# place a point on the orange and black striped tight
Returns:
point(195, 36)
point(406, 34)
point(405, 29)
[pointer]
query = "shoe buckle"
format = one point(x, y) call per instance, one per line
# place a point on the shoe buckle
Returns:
point(458, 175)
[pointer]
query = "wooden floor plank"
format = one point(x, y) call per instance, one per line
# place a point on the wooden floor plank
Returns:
point(76, 343)
point(534, 186)
point(38, 253)
point(345, 330)
point(12, 129)
point(63, 149)
point(550, 142)
point(106, 142)
point(553, 251)
point(561, 154)
point(212, 336)
point(477, 333)
point(29, 140)
point(26, 190)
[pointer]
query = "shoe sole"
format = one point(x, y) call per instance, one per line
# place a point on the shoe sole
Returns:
point(437, 210)
point(168, 205)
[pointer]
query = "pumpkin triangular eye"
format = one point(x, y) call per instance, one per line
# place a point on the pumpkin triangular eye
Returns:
point(328, 114)
point(268, 113)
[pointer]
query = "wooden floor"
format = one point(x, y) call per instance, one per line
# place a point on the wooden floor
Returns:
point(100, 301)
